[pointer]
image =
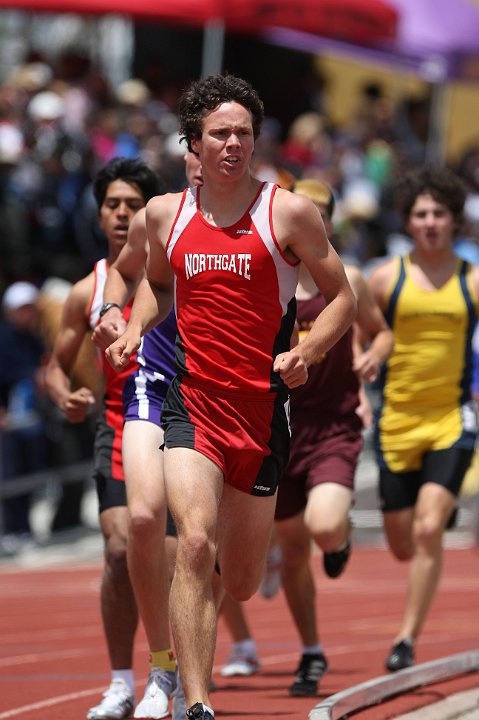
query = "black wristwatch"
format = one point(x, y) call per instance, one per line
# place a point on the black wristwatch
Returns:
point(107, 306)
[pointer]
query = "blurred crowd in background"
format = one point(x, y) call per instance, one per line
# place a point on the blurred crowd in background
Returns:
point(61, 122)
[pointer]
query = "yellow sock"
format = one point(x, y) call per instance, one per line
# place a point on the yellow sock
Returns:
point(163, 659)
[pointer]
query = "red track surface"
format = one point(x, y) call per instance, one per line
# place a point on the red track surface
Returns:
point(53, 658)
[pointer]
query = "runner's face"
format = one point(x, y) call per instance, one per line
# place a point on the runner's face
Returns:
point(122, 201)
point(227, 142)
point(193, 170)
point(431, 224)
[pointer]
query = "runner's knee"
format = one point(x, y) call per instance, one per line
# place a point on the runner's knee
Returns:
point(197, 552)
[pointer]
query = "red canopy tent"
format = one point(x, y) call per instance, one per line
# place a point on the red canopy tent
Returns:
point(360, 21)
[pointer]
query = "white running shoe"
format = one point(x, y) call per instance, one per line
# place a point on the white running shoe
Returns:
point(271, 582)
point(117, 704)
point(240, 664)
point(160, 685)
point(179, 702)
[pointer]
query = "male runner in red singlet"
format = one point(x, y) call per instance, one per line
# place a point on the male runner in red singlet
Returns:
point(228, 254)
point(121, 188)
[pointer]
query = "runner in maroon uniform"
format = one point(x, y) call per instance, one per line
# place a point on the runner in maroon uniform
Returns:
point(121, 188)
point(316, 490)
point(228, 254)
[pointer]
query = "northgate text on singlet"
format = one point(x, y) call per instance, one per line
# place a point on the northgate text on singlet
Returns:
point(238, 263)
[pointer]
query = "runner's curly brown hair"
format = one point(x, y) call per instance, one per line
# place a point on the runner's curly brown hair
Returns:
point(441, 183)
point(204, 95)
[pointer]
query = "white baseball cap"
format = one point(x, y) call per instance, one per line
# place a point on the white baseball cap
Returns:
point(19, 294)
point(46, 105)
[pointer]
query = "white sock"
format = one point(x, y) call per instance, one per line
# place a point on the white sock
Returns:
point(245, 647)
point(126, 676)
point(312, 649)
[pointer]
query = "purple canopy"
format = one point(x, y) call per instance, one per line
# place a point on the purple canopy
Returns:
point(438, 39)
point(445, 28)
point(438, 26)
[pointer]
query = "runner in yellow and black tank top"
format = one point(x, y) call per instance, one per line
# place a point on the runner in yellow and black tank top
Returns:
point(426, 382)
point(426, 424)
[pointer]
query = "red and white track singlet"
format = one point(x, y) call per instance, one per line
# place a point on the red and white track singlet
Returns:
point(234, 296)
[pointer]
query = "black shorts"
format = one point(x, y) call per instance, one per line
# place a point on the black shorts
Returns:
point(110, 492)
point(447, 468)
point(107, 470)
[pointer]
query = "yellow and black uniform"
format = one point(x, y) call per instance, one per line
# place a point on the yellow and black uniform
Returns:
point(426, 405)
